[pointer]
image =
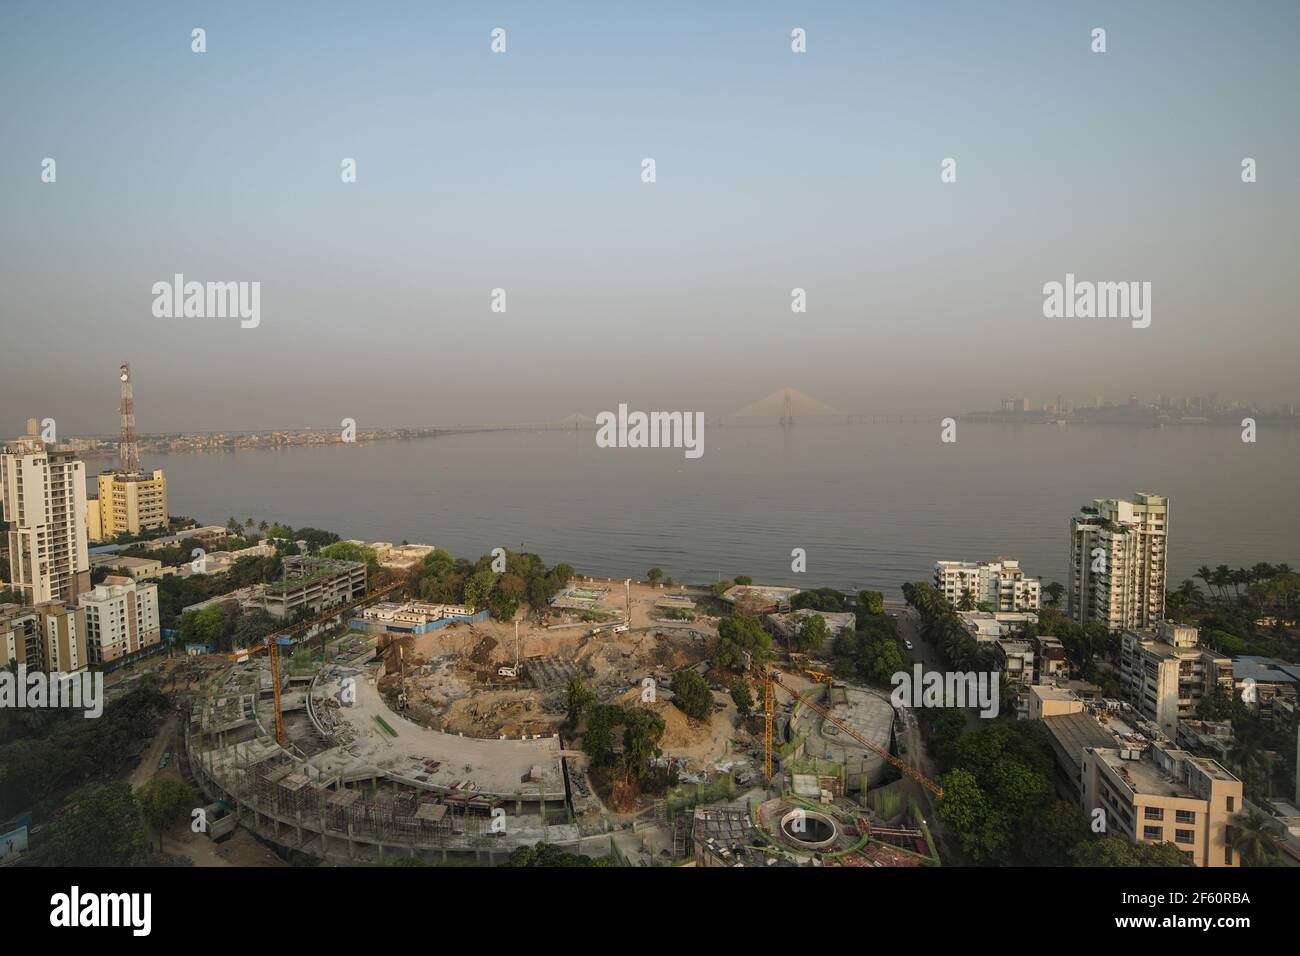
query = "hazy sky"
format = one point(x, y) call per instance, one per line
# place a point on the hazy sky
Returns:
point(522, 171)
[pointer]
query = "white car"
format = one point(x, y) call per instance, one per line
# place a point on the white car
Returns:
point(909, 644)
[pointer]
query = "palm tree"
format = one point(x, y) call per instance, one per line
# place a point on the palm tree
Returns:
point(1054, 592)
point(1253, 839)
point(1206, 575)
point(1223, 577)
point(1240, 576)
point(262, 526)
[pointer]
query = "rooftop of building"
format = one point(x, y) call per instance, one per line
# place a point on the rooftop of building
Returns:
point(304, 569)
point(1268, 670)
point(765, 592)
point(1074, 732)
point(1145, 775)
point(1052, 692)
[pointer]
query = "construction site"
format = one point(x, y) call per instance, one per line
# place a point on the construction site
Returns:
point(448, 745)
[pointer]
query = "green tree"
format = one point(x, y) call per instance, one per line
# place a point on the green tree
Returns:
point(1049, 830)
point(642, 731)
point(598, 738)
point(738, 635)
point(654, 575)
point(100, 825)
point(871, 602)
point(549, 855)
point(1121, 851)
point(165, 802)
point(1253, 840)
point(743, 698)
point(478, 589)
point(350, 551)
point(1054, 591)
point(202, 626)
point(812, 635)
point(965, 811)
point(577, 698)
point(691, 694)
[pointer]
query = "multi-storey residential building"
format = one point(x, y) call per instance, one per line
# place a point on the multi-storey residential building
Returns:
point(1164, 795)
point(1165, 673)
point(1117, 562)
point(315, 584)
point(45, 504)
point(1050, 662)
point(1001, 584)
point(130, 504)
point(121, 619)
point(47, 637)
point(1015, 659)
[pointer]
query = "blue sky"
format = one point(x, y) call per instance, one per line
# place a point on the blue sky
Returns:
point(521, 171)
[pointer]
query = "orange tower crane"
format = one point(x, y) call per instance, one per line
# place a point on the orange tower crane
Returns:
point(270, 644)
point(771, 681)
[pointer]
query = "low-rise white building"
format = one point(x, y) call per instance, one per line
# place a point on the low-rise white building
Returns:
point(990, 625)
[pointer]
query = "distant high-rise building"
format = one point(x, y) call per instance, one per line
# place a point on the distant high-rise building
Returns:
point(1117, 562)
point(45, 505)
point(130, 504)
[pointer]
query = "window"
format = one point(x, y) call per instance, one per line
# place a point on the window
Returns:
point(1231, 804)
point(1153, 833)
point(1184, 836)
point(1227, 853)
point(1154, 813)
point(1184, 816)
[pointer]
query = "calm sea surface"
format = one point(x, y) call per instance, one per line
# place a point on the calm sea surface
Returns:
point(873, 505)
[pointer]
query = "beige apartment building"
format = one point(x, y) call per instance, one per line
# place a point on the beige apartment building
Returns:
point(1164, 795)
point(1117, 562)
point(1166, 672)
point(44, 494)
point(129, 504)
point(121, 619)
point(1001, 584)
point(47, 637)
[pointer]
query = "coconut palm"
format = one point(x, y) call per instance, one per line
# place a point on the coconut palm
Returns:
point(1253, 840)
point(1206, 575)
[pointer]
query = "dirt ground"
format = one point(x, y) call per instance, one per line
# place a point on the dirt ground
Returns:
point(451, 678)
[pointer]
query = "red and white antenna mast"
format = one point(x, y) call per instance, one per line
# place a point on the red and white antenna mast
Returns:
point(128, 452)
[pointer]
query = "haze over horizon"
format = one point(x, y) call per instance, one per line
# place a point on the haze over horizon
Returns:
point(522, 170)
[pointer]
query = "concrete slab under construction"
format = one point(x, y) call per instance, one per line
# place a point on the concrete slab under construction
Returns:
point(373, 740)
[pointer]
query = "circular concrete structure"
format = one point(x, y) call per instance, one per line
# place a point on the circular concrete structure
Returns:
point(808, 829)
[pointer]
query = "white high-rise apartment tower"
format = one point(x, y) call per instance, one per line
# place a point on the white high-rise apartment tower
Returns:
point(44, 493)
point(1117, 562)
